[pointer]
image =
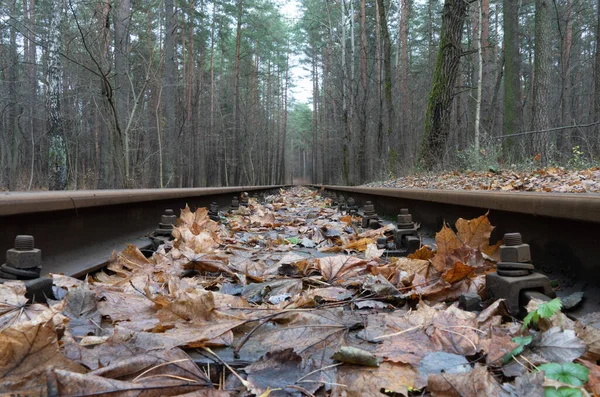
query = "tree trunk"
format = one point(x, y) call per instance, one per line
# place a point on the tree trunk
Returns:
point(437, 118)
point(387, 65)
point(362, 144)
point(122, 91)
point(404, 100)
point(564, 139)
point(479, 80)
point(57, 153)
point(512, 88)
point(12, 105)
point(170, 156)
point(237, 175)
point(541, 79)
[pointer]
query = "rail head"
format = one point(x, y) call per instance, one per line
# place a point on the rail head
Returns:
point(576, 206)
point(14, 203)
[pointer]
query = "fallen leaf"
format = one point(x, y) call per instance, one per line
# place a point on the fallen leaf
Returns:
point(556, 345)
point(28, 350)
point(457, 272)
point(477, 382)
point(355, 381)
point(339, 267)
point(475, 232)
point(281, 369)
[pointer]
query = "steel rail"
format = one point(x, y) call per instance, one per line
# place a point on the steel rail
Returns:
point(78, 230)
point(583, 207)
point(12, 203)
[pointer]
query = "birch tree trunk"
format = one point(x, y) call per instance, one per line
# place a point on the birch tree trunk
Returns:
point(479, 79)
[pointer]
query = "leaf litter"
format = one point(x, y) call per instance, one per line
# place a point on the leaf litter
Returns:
point(284, 298)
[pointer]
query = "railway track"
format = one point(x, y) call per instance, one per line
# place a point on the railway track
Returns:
point(78, 231)
point(290, 279)
point(563, 230)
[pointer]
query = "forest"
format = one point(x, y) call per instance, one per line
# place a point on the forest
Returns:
point(98, 94)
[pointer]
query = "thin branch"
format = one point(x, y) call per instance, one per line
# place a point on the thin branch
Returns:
point(548, 130)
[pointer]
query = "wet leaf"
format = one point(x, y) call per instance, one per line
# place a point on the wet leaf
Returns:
point(559, 346)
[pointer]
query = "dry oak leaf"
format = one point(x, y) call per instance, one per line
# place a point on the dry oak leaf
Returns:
point(476, 383)
point(28, 349)
point(356, 381)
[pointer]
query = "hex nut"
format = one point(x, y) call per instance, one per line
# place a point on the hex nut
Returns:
point(404, 219)
point(24, 259)
point(515, 253)
point(168, 219)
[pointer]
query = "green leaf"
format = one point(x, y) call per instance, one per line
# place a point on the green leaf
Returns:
point(571, 373)
point(549, 309)
point(293, 240)
point(530, 318)
point(562, 392)
point(545, 310)
point(522, 341)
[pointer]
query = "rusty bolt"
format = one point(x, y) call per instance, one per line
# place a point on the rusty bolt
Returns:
point(235, 203)
point(214, 208)
point(24, 255)
point(514, 250)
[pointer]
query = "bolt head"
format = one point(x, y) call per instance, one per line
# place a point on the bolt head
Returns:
point(515, 253)
point(23, 259)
